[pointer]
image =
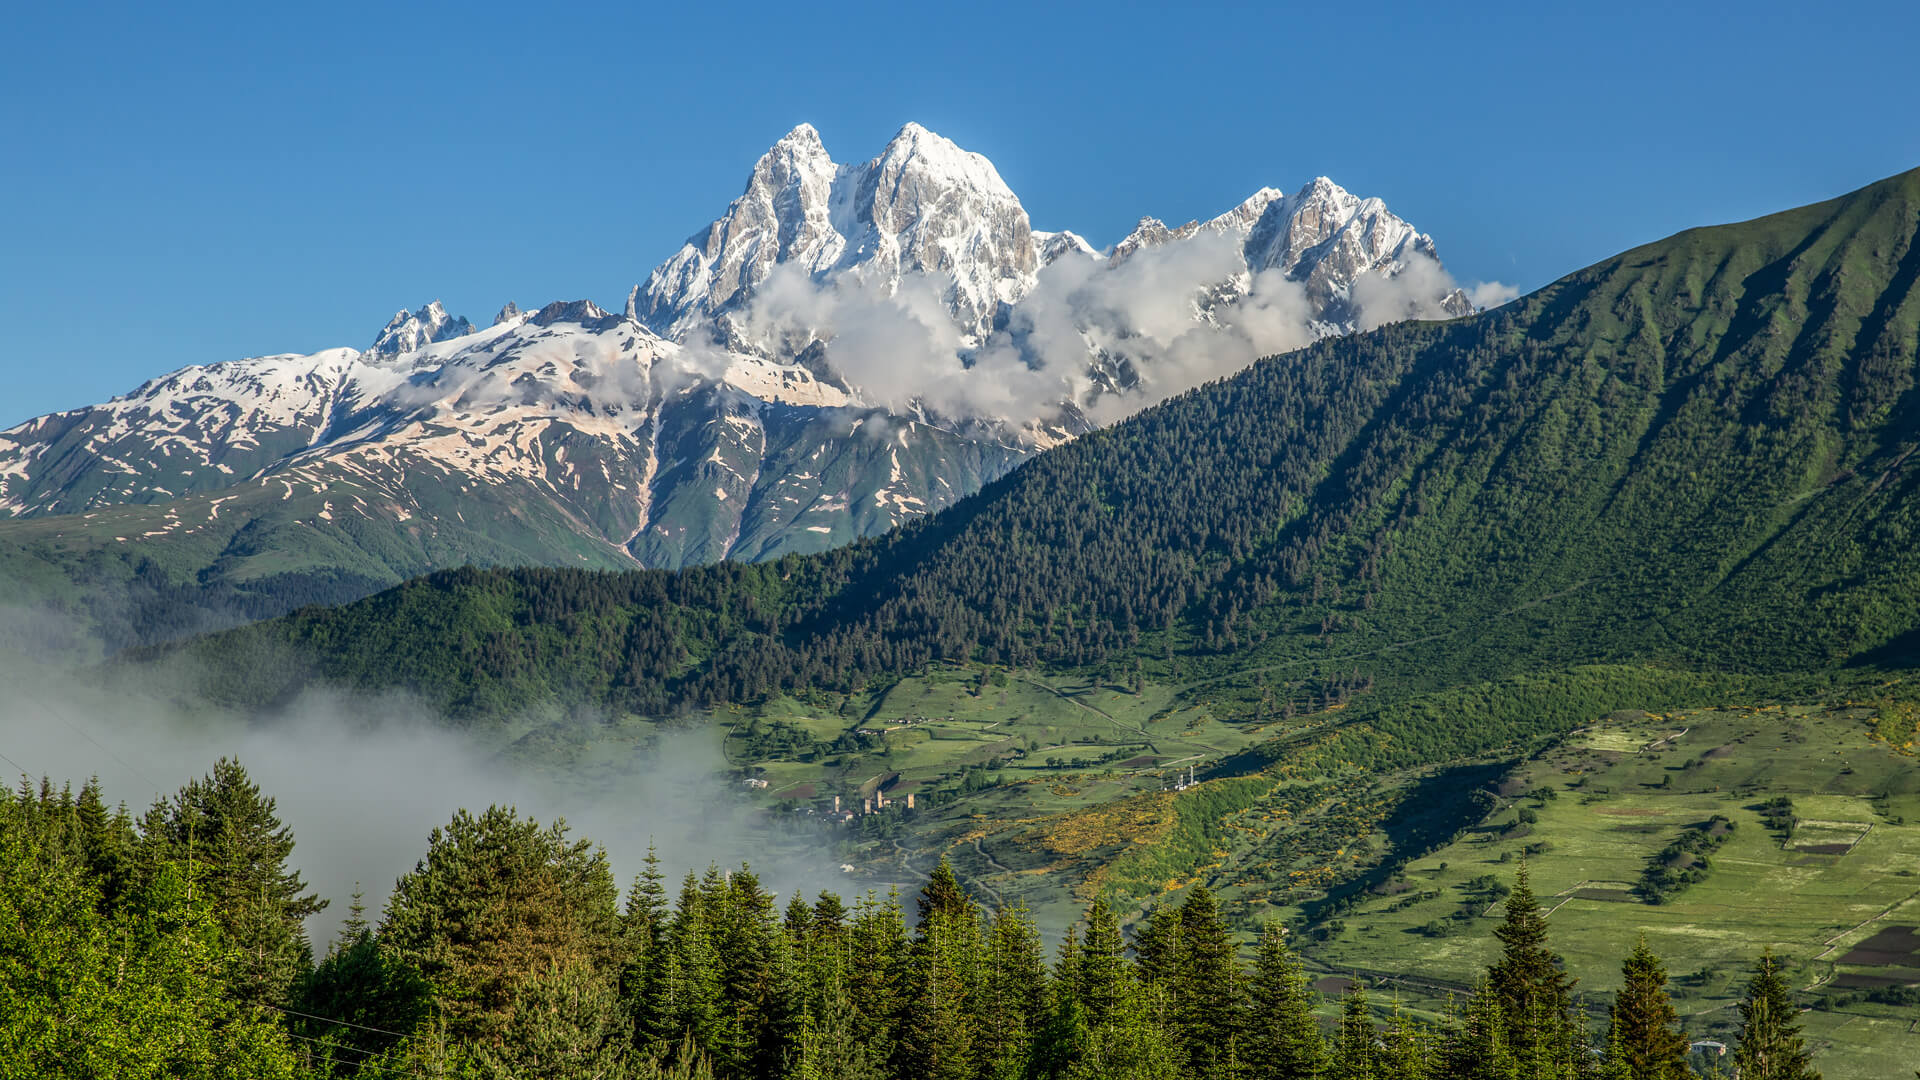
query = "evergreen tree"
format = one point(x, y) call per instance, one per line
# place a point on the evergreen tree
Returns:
point(683, 1004)
point(1769, 1045)
point(1156, 946)
point(1132, 1045)
point(1353, 1056)
point(377, 998)
point(829, 1046)
point(498, 900)
point(1064, 1039)
point(829, 914)
point(1407, 1054)
point(1103, 978)
point(1283, 1039)
point(685, 1062)
point(567, 1024)
point(1536, 996)
point(232, 835)
point(644, 919)
point(1013, 996)
point(877, 964)
point(1644, 1022)
point(937, 1029)
point(135, 990)
point(1617, 1061)
point(1477, 1048)
point(1206, 986)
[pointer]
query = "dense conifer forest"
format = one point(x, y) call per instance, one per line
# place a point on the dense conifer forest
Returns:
point(1697, 453)
point(173, 945)
point(1683, 478)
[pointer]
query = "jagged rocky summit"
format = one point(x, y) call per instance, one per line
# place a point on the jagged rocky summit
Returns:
point(680, 430)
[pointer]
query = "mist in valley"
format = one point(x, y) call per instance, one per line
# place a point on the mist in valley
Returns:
point(363, 780)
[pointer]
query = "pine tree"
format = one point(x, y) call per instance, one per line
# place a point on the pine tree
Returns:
point(1536, 996)
point(1013, 996)
point(498, 900)
point(1206, 986)
point(232, 835)
point(379, 998)
point(1133, 1044)
point(683, 1005)
point(567, 1024)
point(937, 1028)
point(1282, 1040)
point(1644, 1022)
point(1156, 946)
point(1103, 965)
point(1477, 1048)
point(645, 917)
point(1407, 1053)
point(135, 990)
point(877, 962)
point(829, 1046)
point(1353, 1056)
point(1064, 1039)
point(1617, 1062)
point(1769, 1045)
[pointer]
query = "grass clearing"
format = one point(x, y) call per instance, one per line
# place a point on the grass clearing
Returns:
point(1609, 813)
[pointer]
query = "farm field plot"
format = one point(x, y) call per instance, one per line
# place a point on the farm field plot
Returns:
point(1837, 896)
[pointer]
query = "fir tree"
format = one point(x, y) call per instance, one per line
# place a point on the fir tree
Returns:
point(1206, 986)
point(567, 1024)
point(1013, 996)
point(1282, 1038)
point(1064, 1038)
point(1616, 1063)
point(1644, 1023)
point(1770, 1046)
point(1477, 1048)
point(1103, 978)
point(937, 1029)
point(1157, 946)
point(829, 1046)
point(877, 962)
point(498, 900)
point(1132, 1045)
point(684, 1005)
point(1536, 996)
point(1353, 1057)
point(1407, 1052)
point(231, 834)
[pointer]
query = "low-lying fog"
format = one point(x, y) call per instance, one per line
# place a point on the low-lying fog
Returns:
point(362, 781)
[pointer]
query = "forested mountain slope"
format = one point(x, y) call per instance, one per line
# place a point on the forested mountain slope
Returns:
point(1700, 451)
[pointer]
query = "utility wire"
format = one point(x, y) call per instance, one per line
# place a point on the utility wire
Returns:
point(365, 1064)
point(331, 1020)
point(158, 787)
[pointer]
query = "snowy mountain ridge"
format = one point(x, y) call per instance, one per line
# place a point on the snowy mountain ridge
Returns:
point(846, 347)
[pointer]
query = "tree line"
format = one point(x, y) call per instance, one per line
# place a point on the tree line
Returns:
point(172, 945)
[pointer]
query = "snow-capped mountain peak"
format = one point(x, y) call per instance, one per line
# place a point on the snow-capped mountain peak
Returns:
point(409, 330)
point(784, 382)
point(922, 206)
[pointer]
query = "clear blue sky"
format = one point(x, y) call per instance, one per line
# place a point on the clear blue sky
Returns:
point(189, 183)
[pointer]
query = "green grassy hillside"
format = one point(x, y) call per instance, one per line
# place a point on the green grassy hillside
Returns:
point(1697, 453)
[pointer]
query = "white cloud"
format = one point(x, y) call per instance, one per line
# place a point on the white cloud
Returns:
point(1487, 295)
point(1110, 339)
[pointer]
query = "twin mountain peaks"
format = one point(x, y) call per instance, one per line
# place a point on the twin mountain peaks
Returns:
point(847, 347)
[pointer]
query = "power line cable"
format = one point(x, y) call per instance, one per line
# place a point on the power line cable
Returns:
point(331, 1020)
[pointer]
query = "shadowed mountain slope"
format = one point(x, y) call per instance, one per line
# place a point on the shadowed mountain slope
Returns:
point(1701, 451)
